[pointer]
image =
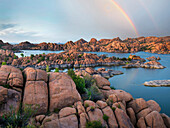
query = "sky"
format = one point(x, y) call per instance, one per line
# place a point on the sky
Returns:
point(64, 20)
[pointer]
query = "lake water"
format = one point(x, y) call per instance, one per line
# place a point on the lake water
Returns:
point(132, 80)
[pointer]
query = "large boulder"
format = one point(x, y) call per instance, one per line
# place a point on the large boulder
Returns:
point(112, 120)
point(62, 91)
point(9, 98)
point(11, 76)
point(122, 119)
point(69, 122)
point(101, 81)
point(96, 114)
point(155, 120)
point(153, 105)
point(36, 91)
point(138, 104)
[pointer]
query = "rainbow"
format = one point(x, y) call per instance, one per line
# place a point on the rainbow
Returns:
point(126, 16)
point(149, 13)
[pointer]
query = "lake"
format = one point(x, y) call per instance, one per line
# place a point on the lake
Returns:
point(132, 80)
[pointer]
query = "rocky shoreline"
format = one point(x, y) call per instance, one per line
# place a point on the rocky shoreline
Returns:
point(73, 59)
point(58, 94)
point(160, 45)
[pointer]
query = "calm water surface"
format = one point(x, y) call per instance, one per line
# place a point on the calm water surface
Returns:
point(132, 80)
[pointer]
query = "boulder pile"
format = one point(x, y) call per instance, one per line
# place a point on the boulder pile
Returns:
point(57, 94)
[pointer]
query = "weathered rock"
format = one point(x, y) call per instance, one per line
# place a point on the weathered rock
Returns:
point(67, 111)
point(90, 70)
point(96, 115)
point(83, 120)
point(39, 118)
point(123, 119)
point(101, 104)
point(11, 76)
point(112, 120)
point(36, 94)
point(138, 104)
point(51, 121)
point(131, 115)
point(166, 120)
point(8, 98)
point(141, 123)
point(144, 113)
point(153, 105)
point(101, 81)
point(79, 107)
point(69, 122)
point(155, 120)
point(62, 91)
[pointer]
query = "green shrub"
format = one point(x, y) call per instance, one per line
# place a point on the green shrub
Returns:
point(56, 70)
point(129, 59)
point(22, 55)
point(15, 57)
point(18, 119)
point(89, 81)
point(6, 59)
point(119, 106)
point(43, 53)
point(94, 93)
point(105, 117)
point(113, 108)
point(112, 88)
point(32, 56)
point(39, 61)
point(47, 68)
point(3, 63)
point(42, 58)
point(92, 108)
point(28, 61)
point(56, 110)
point(80, 82)
point(68, 59)
point(86, 105)
point(94, 124)
point(123, 59)
point(6, 86)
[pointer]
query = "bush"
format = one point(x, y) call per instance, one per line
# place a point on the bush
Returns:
point(94, 93)
point(113, 108)
point(32, 56)
point(56, 70)
point(3, 63)
point(89, 81)
point(92, 108)
point(15, 57)
point(94, 124)
point(112, 88)
point(80, 82)
point(105, 117)
point(47, 68)
point(129, 59)
point(86, 105)
point(28, 61)
point(6, 59)
point(18, 119)
point(123, 59)
point(39, 61)
point(22, 55)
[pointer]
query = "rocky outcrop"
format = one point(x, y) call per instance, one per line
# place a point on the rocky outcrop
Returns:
point(153, 58)
point(68, 110)
point(36, 92)
point(62, 91)
point(158, 83)
point(11, 77)
point(9, 99)
point(152, 44)
point(152, 64)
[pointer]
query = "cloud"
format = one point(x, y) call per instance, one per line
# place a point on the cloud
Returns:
point(6, 26)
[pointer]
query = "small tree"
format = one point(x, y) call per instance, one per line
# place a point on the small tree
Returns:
point(3, 63)
point(56, 70)
point(47, 68)
point(22, 55)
